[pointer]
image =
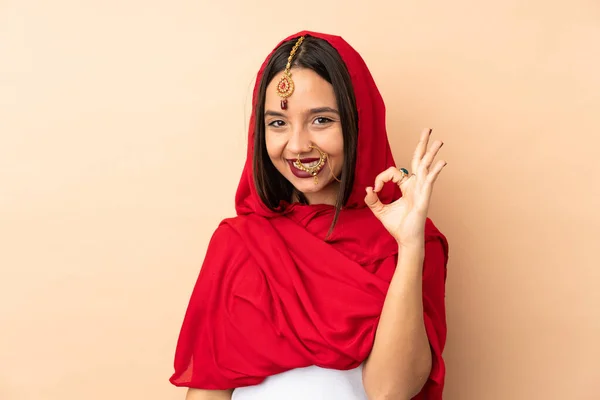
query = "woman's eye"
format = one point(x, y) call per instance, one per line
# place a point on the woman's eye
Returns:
point(277, 123)
point(322, 120)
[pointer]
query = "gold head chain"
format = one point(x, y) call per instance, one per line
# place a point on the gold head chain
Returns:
point(285, 87)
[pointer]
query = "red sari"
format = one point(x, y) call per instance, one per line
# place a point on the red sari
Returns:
point(273, 295)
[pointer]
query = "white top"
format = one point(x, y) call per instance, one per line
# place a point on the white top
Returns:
point(310, 383)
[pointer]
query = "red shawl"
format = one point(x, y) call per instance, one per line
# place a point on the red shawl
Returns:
point(273, 295)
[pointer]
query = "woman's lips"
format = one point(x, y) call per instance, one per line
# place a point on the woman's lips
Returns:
point(300, 173)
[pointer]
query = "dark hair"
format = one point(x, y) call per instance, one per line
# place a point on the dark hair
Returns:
point(318, 55)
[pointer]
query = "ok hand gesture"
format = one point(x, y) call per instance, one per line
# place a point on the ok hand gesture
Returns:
point(405, 218)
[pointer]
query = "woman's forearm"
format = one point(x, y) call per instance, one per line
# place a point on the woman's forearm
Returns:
point(400, 361)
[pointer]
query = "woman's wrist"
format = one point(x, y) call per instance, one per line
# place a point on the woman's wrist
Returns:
point(414, 244)
point(411, 253)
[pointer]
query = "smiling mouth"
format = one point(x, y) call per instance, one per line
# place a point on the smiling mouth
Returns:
point(310, 165)
point(307, 167)
point(306, 164)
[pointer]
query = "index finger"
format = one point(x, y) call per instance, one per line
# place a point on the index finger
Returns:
point(390, 174)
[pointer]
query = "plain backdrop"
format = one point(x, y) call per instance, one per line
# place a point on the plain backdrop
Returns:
point(123, 135)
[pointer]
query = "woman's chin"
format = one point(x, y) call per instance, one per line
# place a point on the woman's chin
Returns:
point(308, 186)
point(306, 189)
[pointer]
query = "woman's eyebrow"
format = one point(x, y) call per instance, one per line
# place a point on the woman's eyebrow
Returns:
point(270, 113)
point(319, 110)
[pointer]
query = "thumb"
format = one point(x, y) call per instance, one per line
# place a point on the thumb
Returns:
point(373, 202)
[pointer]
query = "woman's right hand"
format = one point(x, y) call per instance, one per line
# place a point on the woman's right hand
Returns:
point(200, 394)
point(405, 218)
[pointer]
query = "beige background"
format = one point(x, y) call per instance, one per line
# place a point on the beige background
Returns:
point(122, 137)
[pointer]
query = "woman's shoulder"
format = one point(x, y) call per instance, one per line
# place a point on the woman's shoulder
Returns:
point(226, 236)
point(242, 225)
point(231, 231)
point(226, 247)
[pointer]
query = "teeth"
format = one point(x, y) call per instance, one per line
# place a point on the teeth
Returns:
point(308, 165)
point(311, 164)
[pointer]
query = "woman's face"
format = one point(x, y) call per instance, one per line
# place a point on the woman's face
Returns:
point(311, 118)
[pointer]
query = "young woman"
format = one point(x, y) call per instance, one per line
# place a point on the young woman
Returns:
point(330, 282)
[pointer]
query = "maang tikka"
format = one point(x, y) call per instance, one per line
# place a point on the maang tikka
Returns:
point(285, 87)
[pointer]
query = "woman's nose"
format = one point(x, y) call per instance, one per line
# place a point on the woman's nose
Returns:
point(299, 141)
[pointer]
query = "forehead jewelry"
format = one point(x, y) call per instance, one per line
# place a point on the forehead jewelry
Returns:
point(285, 87)
point(314, 170)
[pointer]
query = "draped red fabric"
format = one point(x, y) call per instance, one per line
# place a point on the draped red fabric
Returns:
point(274, 295)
